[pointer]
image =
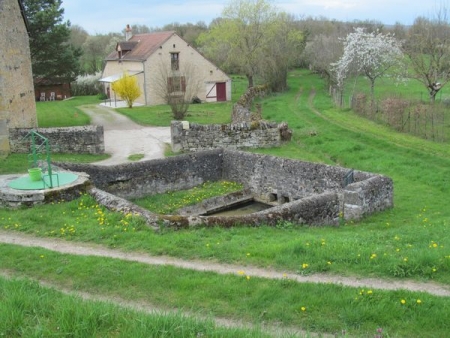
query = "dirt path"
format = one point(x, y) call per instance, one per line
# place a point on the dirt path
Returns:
point(84, 249)
point(123, 137)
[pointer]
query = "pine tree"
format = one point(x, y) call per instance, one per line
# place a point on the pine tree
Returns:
point(51, 53)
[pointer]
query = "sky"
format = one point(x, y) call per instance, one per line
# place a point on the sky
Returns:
point(104, 16)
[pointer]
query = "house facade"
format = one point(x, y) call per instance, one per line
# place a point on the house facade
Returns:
point(17, 101)
point(164, 59)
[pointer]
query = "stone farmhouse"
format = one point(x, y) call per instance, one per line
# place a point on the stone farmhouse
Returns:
point(159, 57)
point(17, 102)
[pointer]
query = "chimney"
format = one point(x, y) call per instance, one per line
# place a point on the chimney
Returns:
point(128, 33)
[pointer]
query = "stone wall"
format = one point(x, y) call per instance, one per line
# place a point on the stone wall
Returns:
point(156, 176)
point(366, 197)
point(17, 105)
point(77, 140)
point(301, 192)
point(273, 178)
point(187, 136)
point(242, 108)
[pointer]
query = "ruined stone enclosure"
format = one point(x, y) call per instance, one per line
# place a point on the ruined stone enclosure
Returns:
point(299, 192)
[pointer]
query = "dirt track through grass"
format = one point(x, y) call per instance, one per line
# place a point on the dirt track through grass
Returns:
point(84, 249)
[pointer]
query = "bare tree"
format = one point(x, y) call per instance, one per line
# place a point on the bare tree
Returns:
point(321, 52)
point(78, 36)
point(178, 86)
point(285, 43)
point(428, 49)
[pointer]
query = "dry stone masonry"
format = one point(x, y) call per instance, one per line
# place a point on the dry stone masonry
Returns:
point(300, 192)
point(72, 140)
point(187, 136)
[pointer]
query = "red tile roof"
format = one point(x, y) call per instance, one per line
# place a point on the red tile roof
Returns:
point(145, 45)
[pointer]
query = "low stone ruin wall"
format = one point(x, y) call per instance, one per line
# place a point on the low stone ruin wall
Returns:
point(138, 179)
point(301, 192)
point(187, 136)
point(74, 140)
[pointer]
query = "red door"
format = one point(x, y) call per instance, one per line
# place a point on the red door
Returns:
point(221, 90)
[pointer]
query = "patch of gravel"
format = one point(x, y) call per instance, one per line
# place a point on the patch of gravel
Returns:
point(123, 137)
point(83, 249)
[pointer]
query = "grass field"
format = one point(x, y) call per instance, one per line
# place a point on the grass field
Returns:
point(408, 242)
point(64, 113)
point(205, 113)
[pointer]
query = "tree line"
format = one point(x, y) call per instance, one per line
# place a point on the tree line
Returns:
point(256, 39)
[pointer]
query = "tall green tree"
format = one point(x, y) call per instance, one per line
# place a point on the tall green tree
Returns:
point(52, 55)
point(241, 33)
point(254, 38)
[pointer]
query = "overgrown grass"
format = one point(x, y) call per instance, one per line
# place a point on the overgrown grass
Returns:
point(170, 202)
point(325, 308)
point(409, 241)
point(30, 310)
point(381, 249)
point(399, 238)
point(64, 113)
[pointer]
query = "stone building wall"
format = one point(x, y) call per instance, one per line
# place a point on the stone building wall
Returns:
point(74, 140)
point(187, 136)
point(17, 105)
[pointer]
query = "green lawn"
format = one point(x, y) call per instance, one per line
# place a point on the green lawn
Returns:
point(64, 113)
point(409, 241)
point(204, 113)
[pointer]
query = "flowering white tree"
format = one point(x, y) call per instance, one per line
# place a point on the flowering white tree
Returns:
point(369, 54)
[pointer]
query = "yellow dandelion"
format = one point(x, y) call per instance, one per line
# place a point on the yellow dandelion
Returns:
point(248, 277)
point(241, 272)
point(403, 302)
point(418, 301)
point(303, 308)
point(305, 265)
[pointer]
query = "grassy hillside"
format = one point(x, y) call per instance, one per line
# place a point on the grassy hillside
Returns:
point(408, 242)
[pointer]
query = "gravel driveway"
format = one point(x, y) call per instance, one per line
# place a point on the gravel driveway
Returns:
point(124, 137)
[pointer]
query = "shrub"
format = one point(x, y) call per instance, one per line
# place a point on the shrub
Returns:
point(87, 85)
